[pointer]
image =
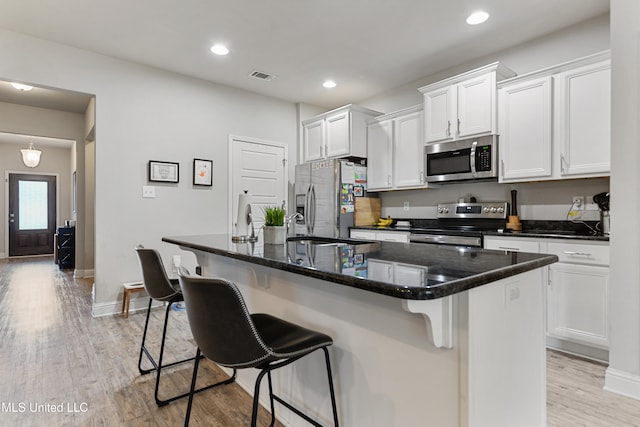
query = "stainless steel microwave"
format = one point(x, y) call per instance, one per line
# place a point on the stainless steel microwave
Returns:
point(467, 159)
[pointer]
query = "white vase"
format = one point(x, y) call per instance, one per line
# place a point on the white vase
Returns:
point(274, 234)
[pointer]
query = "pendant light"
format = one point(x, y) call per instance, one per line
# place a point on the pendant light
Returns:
point(31, 156)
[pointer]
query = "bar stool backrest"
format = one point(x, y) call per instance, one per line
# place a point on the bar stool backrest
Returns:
point(220, 322)
point(154, 276)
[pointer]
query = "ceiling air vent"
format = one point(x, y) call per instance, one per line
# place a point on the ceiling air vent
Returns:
point(261, 75)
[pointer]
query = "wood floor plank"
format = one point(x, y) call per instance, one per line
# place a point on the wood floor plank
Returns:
point(53, 352)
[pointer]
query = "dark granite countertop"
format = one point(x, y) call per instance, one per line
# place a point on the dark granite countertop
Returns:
point(422, 271)
point(530, 228)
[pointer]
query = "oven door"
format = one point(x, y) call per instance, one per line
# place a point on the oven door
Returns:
point(441, 239)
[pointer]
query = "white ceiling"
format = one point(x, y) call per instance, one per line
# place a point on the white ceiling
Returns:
point(366, 46)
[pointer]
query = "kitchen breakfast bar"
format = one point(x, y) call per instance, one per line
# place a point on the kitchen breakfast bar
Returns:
point(424, 335)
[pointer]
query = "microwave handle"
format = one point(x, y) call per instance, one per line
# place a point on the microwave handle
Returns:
point(472, 160)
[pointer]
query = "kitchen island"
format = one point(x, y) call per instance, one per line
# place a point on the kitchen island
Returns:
point(424, 334)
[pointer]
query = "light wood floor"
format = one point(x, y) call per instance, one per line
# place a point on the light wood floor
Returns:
point(53, 355)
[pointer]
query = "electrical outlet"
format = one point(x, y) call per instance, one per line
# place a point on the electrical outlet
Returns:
point(406, 206)
point(148, 191)
point(176, 263)
point(578, 202)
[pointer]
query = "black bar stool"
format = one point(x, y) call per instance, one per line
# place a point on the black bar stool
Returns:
point(230, 336)
point(161, 288)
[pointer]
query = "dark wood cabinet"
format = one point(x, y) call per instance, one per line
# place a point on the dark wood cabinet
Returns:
point(66, 247)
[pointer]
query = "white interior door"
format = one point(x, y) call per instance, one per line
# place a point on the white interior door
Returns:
point(260, 168)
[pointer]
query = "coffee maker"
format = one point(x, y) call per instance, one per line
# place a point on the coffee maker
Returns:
point(602, 200)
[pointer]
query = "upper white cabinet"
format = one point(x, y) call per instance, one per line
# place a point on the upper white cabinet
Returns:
point(464, 105)
point(337, 133)
point(395, 146)
point(555, 123)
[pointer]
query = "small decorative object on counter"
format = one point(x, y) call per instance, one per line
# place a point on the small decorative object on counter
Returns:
point(514, 223)
point(274, 231)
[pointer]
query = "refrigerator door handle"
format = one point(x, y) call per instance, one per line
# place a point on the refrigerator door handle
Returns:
point(313, 208)
point(307, 210)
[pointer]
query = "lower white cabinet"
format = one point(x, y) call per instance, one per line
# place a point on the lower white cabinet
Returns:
point(577, 298)
point(577, 291)
point(402, 274)
point(384, 236)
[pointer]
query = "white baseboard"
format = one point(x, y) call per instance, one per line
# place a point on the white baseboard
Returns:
point(3, 255)
point(622, 383)
point(83, 274)
point(137, 304)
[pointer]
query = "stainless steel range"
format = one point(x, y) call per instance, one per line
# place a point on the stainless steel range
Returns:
point(463, 223)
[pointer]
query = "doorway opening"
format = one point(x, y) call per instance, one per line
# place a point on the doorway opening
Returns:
point(32, 213)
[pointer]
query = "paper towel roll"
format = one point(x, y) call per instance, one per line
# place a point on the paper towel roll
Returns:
point(242, 228)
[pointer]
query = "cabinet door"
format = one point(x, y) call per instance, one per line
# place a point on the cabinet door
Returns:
point(439, 111)
point(476, 106)
point(408, 275)
point(577, 301)
point(525, 130)
point(379, 152)
point(338, 132)
point(313, 140)
point(583, 120)
point(379, 270)
point(408, 155)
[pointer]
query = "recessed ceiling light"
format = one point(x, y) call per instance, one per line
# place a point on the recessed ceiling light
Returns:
point(477, 17)
point(329, 84)
point(20, 86)
point(219, 49)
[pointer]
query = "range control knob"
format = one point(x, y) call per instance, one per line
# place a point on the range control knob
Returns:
point(494, 209)
point(501, 210)
point(486, 209)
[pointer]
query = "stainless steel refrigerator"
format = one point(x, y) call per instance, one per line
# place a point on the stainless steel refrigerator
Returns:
point(325, 193)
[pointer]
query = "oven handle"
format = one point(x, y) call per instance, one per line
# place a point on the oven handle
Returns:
point(443, 240)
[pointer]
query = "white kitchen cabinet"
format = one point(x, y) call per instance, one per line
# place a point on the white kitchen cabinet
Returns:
point(577, 303)
point(381, 235)
point(525, 127)
point(395, 151)
point(336, 133)
point(463, 105)
point(576, 292)
point(583, 120)
point(555, 123)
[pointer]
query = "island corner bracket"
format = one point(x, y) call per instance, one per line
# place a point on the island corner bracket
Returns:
point(439, 318)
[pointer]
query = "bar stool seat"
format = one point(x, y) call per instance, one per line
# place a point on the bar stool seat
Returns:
point(161, 288)
point(227, 334)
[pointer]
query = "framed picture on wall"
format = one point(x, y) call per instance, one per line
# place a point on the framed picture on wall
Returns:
point(203, 172)
point(163, 171)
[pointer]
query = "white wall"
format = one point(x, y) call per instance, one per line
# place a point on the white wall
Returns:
point(541, 201)
point(146, 114)
point(623, 374)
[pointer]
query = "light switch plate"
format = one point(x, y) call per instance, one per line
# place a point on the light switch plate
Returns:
point(148, 191)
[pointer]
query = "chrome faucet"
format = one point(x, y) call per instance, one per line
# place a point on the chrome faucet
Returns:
point(290, 218)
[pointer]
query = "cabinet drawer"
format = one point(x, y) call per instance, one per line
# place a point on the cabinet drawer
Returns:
point(365, 235)
point(576, 253)
point(391, 236)
point(512, 245)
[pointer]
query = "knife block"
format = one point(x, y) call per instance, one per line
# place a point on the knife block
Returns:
point(514, 223)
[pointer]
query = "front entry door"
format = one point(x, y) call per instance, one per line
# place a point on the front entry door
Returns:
point(32, 214)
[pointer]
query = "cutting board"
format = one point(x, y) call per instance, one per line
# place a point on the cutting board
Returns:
point(367, 211)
